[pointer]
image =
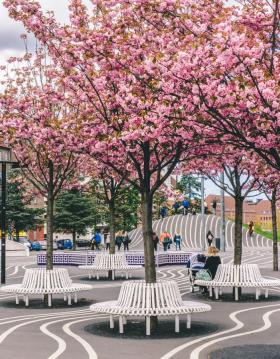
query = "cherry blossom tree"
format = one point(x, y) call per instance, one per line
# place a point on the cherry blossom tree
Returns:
point(239, 183)
point(33, 110)
point(115, 61)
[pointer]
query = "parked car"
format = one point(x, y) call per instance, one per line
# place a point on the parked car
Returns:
point(64, 244)
point(35, 246)
point(25, 242)
point(44, 245)
point(83, 243)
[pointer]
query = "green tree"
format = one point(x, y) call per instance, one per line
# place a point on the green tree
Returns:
point(190, 186)
point(74, 213)
point(127, 209)
point(19, 212)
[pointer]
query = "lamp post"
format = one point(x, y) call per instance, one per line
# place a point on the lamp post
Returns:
point(223, 220)
point(203, 232)
point(5, 160)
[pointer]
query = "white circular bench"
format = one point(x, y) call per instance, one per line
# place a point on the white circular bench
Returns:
point(239, 276)
point(138, 298)
point(46, 282)
point(110, 262)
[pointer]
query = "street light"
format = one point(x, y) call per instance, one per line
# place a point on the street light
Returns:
point(5, 159)
point(203, 229)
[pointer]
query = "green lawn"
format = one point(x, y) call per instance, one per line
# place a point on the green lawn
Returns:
point(266, 234)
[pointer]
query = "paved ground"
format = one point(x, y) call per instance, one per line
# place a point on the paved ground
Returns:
point(74, 332)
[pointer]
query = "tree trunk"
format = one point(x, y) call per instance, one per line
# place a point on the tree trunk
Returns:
point(147, 229)
point(50, 210)
point(238, 229)
point(274, 230)
point(112, 221)
point(74, 240)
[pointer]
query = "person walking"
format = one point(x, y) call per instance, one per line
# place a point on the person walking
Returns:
point(163, 212)
point(251, 228)
point(177, 240)
point(97, 238)
point(155, 240)
point(186, 206)
point(209, 237)
point(119, 240)
point(107, 240)
point(126, 242)
point(176, 207)
point(165, 239)
point(214, 206)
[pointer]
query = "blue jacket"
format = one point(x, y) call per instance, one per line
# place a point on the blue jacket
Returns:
point(97, 237)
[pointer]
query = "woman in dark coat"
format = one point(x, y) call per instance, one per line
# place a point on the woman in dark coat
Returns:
point(213, 261)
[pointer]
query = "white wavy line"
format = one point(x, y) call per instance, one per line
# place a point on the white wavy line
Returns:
point(232, 316)
point(88, 348)
point(61, 343)
point(267, 324)
point(14, 272)
point(32, 316)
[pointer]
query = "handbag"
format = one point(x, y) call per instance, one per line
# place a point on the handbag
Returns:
point(203, 274)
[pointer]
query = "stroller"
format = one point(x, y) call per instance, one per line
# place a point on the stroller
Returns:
point(195, 263)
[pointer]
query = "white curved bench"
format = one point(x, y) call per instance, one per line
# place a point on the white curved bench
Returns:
point(46, 282)
point(239, 276)
point(138, 298)
point(110, 262)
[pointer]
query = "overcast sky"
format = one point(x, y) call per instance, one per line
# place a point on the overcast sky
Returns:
point(12, 45)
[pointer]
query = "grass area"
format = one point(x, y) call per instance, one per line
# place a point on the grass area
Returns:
point(266, 234)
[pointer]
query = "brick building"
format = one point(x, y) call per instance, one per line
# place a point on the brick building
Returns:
point(258, 211)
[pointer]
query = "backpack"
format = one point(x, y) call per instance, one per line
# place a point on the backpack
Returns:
point(203, 274)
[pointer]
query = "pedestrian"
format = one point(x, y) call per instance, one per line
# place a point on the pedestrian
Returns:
point(107, 240)
point(214, 205)
point(97, 240)
point(155, 240)
point(212, 263)
point(163, 212)
point(251, 228)
point(205, 207)
point(186, 206)
point(119, 240)
point(126, 241)
point(176, 206)
point(166, 240)
point(177, 240)
point(209, 237)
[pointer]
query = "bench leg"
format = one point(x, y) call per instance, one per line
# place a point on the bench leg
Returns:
point(97, 276)
point(111, 322)
point(113, 275)
point(26, 301)
point(216, 290)
point(130, 275)
point(210, 292)
point(189, 318)
point(266, 293)
point(75, 298)
point(121, 324)
point(17, 299)
point(69, 299)
point(220, 291)
point(64, 297)
point(148, 325)
point(257, 293)
point(126, 275)
point(49, 300)
point(177, 324)
point(236, 293)
point(89, 276)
